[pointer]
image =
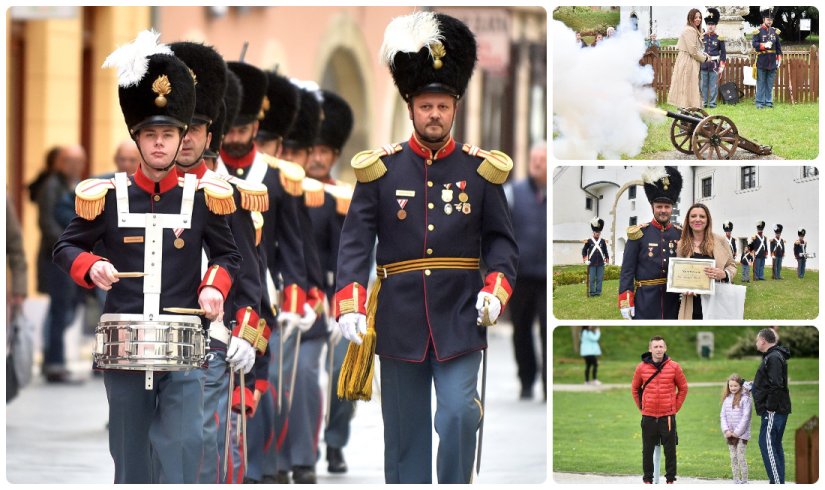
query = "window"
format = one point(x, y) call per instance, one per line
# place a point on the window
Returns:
point(748, 177)
point(633, 220)
point(588, 203)
point(808, 171)
point(631, 192)
point(707, 187)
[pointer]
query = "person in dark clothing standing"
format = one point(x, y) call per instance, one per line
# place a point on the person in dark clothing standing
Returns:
point(528, 204)
point(772, 401)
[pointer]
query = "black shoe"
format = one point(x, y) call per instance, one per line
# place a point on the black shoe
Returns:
point(281, 477)
point(526, 394)
point(247, 480)
point(303, 474)
point(62, 377)
point(335, 458)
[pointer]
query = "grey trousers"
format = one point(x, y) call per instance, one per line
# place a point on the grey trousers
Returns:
point(341, 411)
point(215, 401)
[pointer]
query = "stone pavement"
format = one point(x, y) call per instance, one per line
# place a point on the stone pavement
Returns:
point(57, 434)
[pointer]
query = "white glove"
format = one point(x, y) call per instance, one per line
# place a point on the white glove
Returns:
point(335, 333)
point(629, 313)
point(493, 308)
point(288, 322)
point(586, 262)
point(240, 355)
point(768, 45)
point(352, 324)
point(721, 69)
point(778, 63)
point(308, 320)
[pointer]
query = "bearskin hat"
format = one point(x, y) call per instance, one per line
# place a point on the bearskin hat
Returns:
point(338, 120)
point(307, 123)
point(283, 107)
point(210, 78)
point(254, 102)
point(713, 18)
point(777, 228)
point(662, 184)
point(727, 226)
point(760, 225)
point(597, 224)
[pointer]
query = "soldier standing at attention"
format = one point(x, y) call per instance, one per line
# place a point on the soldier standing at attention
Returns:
point(768, 59)
point(777, 247)
point(759, 245)
point(728, 228)
point(711, 70)
point(438, 210)
point(643, 280)
point(800, 247)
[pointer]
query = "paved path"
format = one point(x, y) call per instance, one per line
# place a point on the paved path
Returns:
point(57, 434)
point(589, 478)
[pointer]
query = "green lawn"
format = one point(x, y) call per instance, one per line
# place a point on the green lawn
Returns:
point(598, 432)
point(789, 299)
point(796, 138)
point(587, 20)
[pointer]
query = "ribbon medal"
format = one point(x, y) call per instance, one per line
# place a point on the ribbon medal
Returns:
point(463, 197)
point(402, 214)
point(447, 193)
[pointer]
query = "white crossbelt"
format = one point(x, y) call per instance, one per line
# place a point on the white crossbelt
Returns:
point(596, 246)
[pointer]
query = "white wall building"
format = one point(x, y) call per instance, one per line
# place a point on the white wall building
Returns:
point(788, 195)
point(668, 22)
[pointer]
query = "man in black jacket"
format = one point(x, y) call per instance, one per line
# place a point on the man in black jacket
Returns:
point(772, 402)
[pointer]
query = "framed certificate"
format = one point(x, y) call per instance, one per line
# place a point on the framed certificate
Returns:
point(688, 275)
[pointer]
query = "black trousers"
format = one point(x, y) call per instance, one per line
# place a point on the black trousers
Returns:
point(654, 431)
point(590, 362)
point(528, 302)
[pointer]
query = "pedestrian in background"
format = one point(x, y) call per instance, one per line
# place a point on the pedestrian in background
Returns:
point(684, 85)
point(772, 401)
point(735, 420)
point(589, 349)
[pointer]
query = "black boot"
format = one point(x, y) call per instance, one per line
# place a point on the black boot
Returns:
point(335, 458)
point(303, 474)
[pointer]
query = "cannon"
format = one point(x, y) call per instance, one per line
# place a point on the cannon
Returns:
point(709, 137)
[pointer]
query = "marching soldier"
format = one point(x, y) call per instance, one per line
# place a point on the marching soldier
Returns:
point(595, 256)
point(759, 245)
point(728, 228)
point(777, 247)
point(438, 210)
point(766, 43)
point(154, 224)
point(643, 280)
point(712, 69)
point(800, 251)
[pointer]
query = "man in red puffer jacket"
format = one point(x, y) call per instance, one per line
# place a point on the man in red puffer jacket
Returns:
point(659, 389)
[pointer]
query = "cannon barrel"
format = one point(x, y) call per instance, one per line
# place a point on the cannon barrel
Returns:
point(684, 117)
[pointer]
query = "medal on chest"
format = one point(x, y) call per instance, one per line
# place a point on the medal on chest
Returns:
point(447, 193)
point(402, 213)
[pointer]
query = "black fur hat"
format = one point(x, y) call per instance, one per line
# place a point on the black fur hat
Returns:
point(283, 107)
point(801, 232)
point(662, 184)
point(429, 52)
point(216, 130)
point(777, 228)
point(227, 111)
point(597, 224)
point(767, 14)
point(338, 120)
point(760, 225)
point(210, 78)
point(713, 18)
point(307, 123)
point(727, 226)
point(254, 102)
point(154, 86)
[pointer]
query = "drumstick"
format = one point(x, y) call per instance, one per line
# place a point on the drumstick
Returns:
point(185, 311)
point(122, 275)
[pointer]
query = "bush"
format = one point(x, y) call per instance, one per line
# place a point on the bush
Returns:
point(578, 275)
point(802, 341)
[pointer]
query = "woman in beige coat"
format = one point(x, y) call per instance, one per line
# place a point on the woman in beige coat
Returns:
point(684, 84)
point(699, 242)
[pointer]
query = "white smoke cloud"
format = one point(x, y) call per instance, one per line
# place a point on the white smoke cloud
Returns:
point(599, 95)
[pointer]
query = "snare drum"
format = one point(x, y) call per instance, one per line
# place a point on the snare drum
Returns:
point(170, 343)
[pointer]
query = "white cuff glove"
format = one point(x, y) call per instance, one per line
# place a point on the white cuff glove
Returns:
point(586, 262)
point(240, 355)
point(493, 309)
point(629, 313)
point(768, 45)
point(335, 333)
point(308, 320)
point(778, 63)
point(721, 69)
point(288, 322)
point(351, 325)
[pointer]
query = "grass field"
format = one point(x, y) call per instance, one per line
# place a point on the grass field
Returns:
point(797, 138)
point(598, 432)
point(789, 299)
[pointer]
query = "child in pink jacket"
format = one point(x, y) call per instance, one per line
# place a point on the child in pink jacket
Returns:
point(735, 419)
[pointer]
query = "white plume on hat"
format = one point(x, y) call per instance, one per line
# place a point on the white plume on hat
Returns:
point(132, 60)
point(653, 174)
point(408, 34)
point(594, 221)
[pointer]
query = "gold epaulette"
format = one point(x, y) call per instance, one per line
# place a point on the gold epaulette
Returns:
point(343, 196)
point(796, 242)
point(677, 226)
point(313, 193)
point(635, 232)
point(778, 32)
point(721, 38)
point(258, 223)
point(496, 165)
point(90, 197)
point(218, 194)
point(368, 165)
point(254, 195)
point(755, 32)
point(292, 177)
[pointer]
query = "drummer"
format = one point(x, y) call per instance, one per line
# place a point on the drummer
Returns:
point(155, 434)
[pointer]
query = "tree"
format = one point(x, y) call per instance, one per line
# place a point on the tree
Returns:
point(786, 19)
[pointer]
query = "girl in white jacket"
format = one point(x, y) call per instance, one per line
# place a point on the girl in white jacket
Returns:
point(735, 419)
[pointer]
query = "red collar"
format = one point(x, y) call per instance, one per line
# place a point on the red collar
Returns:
point(167, 183)
point(419, 149)
point(198, 170)
point(243, 162)
point(660, 227)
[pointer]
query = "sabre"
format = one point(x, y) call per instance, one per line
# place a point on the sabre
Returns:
point(280, 368)
point(485, 315)
point(483, 398)
point(243, 50)
point(294, 371)
point(243, 416)
point(330, 357)
point(228, 432)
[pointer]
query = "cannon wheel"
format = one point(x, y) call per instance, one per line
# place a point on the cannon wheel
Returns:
point(715, 138)
point(681, 133)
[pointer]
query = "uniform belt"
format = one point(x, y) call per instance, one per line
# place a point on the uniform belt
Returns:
point(767, 51)
point(430, 263)
point(218, 331)
point(651, 282)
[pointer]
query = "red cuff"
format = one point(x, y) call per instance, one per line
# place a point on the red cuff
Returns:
point(351, 299)
point(315, 299)
point(80, 269)
point(236, 399)
point(217, 277)
point(250, 327)
point(243, 317)
point(261, 385)
point(294, 299)
point(496, 284)
point(626, 299)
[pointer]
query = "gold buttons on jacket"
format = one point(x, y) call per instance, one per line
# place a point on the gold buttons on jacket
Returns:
point(431, 205)
point(429, 161)
point(427, 272)
point(156, 197)
point(429, 183)
point(429, 251)
point(431, 227)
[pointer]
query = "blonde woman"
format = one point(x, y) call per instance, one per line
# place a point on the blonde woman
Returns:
point(699, 242)
point(684, 85)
